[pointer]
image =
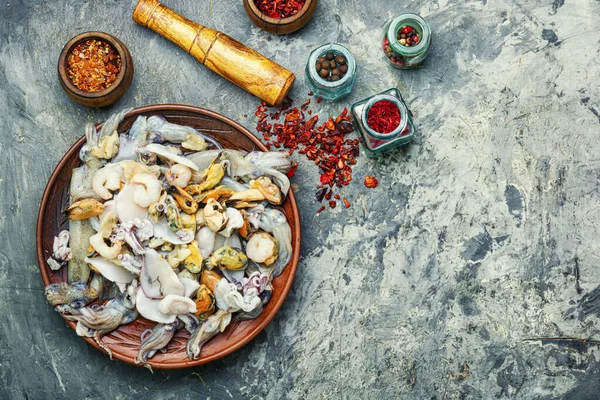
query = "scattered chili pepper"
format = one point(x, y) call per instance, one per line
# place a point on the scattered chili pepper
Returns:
point(325, 144)
point(371, 182)
point(383, 116)
point(320, 210)
point(332, 203)
point(93, 65)
point(280, 8)
point(337, 197)
point(346, 203)
point(320, 99)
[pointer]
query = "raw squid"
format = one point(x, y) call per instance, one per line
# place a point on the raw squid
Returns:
point(155, 340)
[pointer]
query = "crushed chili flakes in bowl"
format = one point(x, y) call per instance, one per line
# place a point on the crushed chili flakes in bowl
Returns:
point(93, 65)
point(326, 144)
point(279, 8)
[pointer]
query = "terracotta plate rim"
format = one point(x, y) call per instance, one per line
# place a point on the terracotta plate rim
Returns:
point(293, 265)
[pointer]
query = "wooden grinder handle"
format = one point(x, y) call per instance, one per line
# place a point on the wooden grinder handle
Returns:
point(227, 57)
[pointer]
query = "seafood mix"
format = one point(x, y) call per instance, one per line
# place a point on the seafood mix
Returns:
point(167, 225)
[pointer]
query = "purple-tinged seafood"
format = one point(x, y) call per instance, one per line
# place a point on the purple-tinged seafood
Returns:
point(231, 300)
point(189, 321)
point(274, 222)
point(104, 319)
point(257, 281)
point(214, 324)
point(157, 339)
point(134, 232)
point(262, 248)
point(76, 294)
point(190, 286)
point(84, 209)
point(53, 264)
point(131, 263)
point(228, 257)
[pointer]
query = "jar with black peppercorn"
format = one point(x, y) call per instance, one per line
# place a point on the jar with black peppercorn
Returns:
point(331, 71)
point(406, 41)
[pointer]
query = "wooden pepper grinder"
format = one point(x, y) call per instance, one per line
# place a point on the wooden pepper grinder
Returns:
point(227, 57)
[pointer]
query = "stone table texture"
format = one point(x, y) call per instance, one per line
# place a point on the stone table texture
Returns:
point(481, 234)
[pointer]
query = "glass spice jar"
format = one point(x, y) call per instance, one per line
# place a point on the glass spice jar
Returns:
point(326, 89)
point(399, 44)
point(375, 142)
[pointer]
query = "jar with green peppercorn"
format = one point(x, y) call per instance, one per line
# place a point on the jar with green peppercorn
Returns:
point(331, 71)
point(406, 41)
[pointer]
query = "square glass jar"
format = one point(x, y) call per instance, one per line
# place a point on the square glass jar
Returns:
point(325, 89)
point(376, 143)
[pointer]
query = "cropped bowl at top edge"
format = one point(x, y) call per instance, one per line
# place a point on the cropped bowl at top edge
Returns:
point(280, 26)
point(124, 342)
point(104, 97)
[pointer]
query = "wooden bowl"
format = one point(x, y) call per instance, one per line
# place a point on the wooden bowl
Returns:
point(125, 341)
point(104, 97)
point(280, 26)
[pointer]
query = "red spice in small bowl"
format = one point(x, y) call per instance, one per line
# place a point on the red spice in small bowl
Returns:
point(93, 65)
point(280, 8)
point(383, 117)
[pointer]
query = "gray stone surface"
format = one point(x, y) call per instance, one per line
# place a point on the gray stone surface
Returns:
point(481, 234)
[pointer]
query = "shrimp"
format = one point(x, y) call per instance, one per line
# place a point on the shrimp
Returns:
point(148, 189)
point(106, 179)
point(106, 251)
point(178, 175)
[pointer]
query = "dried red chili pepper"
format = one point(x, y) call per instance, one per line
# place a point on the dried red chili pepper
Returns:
point(320, 210)
point(93, 65)
point(332, 203)
point(279, 8)
point(325, 144)
point(383, 116)
point(346, 203)
point(370, 182)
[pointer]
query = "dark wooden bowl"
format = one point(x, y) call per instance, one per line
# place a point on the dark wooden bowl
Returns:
point(280, 26)
point(104, 97)
point(125, 341)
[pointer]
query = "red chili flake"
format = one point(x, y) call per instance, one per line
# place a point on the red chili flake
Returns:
point(310, 93)
point(337, 196)
point(320, 210)
point(320, 99)
point(346, 203)
point(328, 195)
point(371, 182)
point(332, 203)
point(383, 116)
